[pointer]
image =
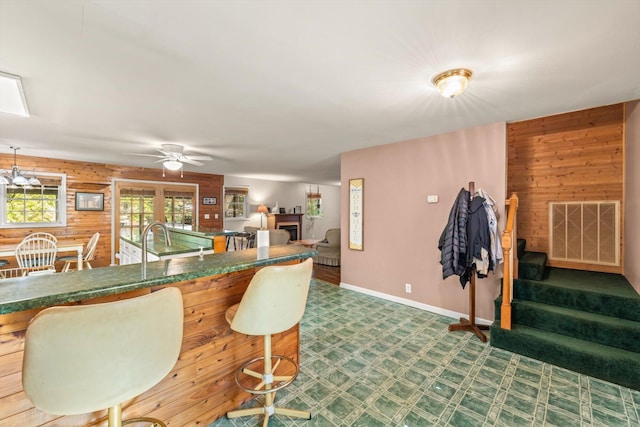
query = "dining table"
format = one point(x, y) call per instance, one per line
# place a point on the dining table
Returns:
point(63, 245)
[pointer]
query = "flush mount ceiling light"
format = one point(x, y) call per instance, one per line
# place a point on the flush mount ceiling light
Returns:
point(452, 83)
point(12, 99)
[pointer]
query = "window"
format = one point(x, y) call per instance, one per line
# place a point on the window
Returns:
point(136, 210)
point(314, 205)
point(139, 203)
point(35, 206)
point(236, 202)
point(178, 209)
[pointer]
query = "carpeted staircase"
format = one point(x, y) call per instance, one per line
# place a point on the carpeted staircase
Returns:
point(588, 322)
point(531, 265)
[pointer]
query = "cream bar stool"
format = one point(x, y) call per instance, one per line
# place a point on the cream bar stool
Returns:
point(82, 359)
point(274, 302)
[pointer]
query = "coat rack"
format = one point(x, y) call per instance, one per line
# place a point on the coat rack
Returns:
point(470, 324)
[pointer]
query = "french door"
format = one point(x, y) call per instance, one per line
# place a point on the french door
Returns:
point(139, 203)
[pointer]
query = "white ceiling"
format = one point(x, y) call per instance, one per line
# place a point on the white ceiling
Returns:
point(278, 89)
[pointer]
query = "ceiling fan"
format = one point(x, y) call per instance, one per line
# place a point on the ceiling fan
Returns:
point(172, 157)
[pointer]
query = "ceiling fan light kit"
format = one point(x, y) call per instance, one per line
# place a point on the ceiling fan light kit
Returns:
point(173, 159)
point(172, 165)
point(452, 83)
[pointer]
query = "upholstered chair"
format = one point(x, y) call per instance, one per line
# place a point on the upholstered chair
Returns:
point(279, 237)
point(329, 248)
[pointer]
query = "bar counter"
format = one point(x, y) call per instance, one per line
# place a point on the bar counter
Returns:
point(201, 388)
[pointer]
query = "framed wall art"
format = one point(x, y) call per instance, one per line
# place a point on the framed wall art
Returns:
point(89, 201)
point(356, 205)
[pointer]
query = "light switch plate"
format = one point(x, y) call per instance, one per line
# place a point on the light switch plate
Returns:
point(432, 199)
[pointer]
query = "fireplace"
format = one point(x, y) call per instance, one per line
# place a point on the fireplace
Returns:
point(292, 222)
point(292, 229)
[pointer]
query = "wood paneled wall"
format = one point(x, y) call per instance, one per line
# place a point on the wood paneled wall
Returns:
point(96, 178)
point(575, 156)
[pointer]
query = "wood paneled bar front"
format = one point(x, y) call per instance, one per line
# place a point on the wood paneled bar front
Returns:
point(201, 387)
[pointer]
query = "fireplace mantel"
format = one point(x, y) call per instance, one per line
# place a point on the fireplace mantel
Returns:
point(286, 221)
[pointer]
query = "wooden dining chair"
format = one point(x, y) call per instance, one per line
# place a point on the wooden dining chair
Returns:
point(37, 254)
point(87, 256)
point(10, 273)
point(42, 235)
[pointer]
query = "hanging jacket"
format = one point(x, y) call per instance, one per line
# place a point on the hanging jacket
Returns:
point(453, 240)
point(492, 216)
point(479, 238)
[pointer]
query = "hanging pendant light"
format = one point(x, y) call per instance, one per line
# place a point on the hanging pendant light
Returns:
point(17, 178)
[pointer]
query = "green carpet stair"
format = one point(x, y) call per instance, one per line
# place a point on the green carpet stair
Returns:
point(531, 265)
point(587, 322)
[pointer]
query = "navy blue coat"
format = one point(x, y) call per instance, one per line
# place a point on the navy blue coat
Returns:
point(453, 240)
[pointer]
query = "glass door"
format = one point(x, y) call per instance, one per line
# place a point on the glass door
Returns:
point(136, 208)
point(140, 203)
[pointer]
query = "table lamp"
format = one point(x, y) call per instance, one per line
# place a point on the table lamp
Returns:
point(262, 209)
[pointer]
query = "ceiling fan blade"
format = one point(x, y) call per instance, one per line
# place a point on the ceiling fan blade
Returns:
point(145, 155)
point(198, 157)
point(192, 162)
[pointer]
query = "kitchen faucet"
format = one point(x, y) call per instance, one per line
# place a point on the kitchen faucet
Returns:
point(144, 243)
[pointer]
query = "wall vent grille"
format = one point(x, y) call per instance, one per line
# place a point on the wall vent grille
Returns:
point(585, 232)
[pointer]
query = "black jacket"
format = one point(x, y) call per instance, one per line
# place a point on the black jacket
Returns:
point(478, 236)
point(453, 240)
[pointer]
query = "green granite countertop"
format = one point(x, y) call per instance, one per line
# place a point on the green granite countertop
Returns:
point(160, 249)
point(25, 293)
point(204, 231)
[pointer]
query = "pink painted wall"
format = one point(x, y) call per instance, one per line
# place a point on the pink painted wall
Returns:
point(401, 230)
point(632, 194)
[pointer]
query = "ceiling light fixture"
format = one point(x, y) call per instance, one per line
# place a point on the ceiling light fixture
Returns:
point(172, 165)
point(17, 178)
point(452, 83)
point(12, 99)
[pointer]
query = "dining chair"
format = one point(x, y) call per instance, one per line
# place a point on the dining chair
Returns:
point(42, 235)
point(87, 256)
point(37, 254)
point(9, 273)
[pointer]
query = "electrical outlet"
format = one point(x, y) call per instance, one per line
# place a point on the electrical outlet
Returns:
point(407, 288)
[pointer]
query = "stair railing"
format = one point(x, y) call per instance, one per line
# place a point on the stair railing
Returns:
point(510, 263)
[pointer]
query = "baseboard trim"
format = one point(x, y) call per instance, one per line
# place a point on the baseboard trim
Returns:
point(414, 304)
